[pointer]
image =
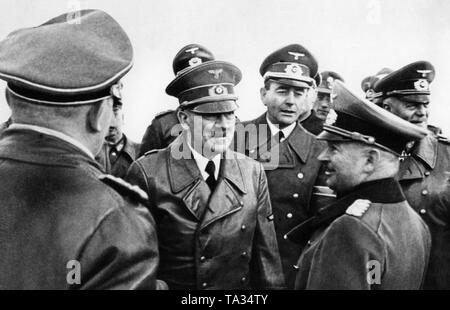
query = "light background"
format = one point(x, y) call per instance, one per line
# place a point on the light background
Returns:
point(355, 38)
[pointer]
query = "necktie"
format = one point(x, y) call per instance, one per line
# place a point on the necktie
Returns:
point(211, 180)
point(280, 136)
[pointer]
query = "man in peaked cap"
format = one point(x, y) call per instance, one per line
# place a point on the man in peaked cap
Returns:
point(321, 107)
point(65, 224)
point(287, 151)
point(363, 240)
point(165, 127)
point(424, 171)
point(118, 151)
point(211, 204)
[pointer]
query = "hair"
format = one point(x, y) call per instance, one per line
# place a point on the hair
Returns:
point(29, 112)
point(267, 83)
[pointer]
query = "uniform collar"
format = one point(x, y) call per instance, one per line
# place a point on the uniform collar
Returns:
point(378, 191)
point(202, 161)
point(53, 133)
point(274, 128)
point(185, 171)
point(299, 140)
point(426, 149)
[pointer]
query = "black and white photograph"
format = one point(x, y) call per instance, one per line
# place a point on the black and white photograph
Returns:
point(244, 147)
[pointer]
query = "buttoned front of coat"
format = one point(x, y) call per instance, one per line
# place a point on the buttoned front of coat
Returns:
point(292, 170)
point(223, 241)
point(424, 177)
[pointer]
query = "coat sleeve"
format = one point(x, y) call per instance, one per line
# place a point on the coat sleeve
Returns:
point(122, 252)
point(265, 266)
point(347, 257)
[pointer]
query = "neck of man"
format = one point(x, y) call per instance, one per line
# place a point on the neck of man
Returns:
point(199, 147)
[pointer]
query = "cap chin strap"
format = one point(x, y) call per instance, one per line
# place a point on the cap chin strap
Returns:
point(356, 136)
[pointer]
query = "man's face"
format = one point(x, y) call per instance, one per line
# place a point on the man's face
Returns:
point(211, 134)
point(284, 103)
point(322, 105)
point(412, 108)
point(115, 128)
point(344, 162)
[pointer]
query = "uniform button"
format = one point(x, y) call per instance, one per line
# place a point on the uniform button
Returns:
point(252, 151)
point(427, 173)
point(295, 195)
point(309, 242)
point(241, 203)
point(289, 215)
point(204, 284)
point(424, 192)
point(295, 267)
point(285, 237)
point(244, 254)
point(423, 211)
point(243, 279)
point(243, 227)
point(202, 259)
point(300, 175)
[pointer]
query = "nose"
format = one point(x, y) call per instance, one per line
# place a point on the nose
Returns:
point(421, 110)
point(324, 155)
point(290, 98)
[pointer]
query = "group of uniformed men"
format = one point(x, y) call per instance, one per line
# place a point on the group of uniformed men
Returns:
point(325, 190)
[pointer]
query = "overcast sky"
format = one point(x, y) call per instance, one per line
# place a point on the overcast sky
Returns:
point(355, 38)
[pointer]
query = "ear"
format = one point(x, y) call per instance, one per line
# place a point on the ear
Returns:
point(97, 115)
point(373, 156)
point(183, 119)
point(262, 94)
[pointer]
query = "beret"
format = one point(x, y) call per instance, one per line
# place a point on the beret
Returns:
point(328, 78)
point(75, 57)
point(360, 120)
point(412, 79)
point(190, 56)
point(207, 87)
point(293, 65)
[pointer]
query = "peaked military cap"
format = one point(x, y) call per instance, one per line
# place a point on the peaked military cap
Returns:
point(292, 65)
point(74, 58)
point(190, 56)
point(328, 78)
point(360, 120)
point(207, 87)
point(368, 83)
point(412, 79)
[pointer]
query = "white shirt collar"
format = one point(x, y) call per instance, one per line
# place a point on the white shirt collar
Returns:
point(274, 129)
point(54, 133)
point(203, 161)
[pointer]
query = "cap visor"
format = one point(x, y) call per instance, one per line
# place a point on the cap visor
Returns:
point(328, 136)
point(290, 82)
point(215, 107)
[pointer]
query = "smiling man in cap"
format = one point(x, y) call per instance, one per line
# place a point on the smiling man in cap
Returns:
point(370, 238)
point(64, 224)
point(287, 151)
point(424, 172)
point(211, 204)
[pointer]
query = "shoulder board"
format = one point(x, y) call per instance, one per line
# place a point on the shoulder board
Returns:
point(151, 152)
point(443, 139)
point(124, 188)
point(164, 113)
point(358, 207)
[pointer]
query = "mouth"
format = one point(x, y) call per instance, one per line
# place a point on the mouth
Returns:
point(288, 112)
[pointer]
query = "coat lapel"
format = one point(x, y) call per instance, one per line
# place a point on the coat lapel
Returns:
point(186, 179)
point(227, 197)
